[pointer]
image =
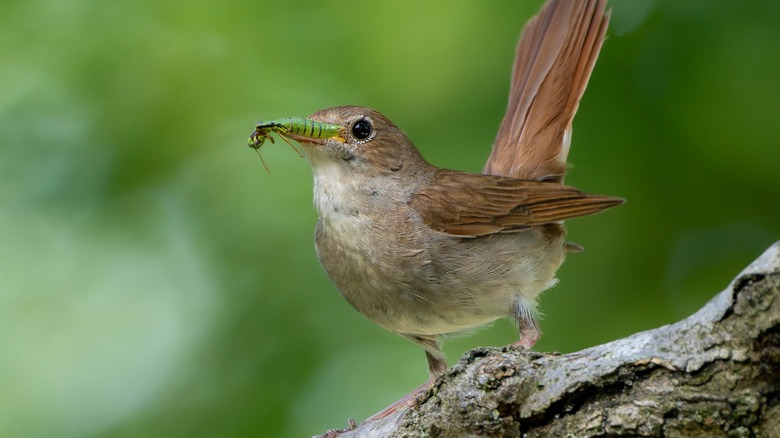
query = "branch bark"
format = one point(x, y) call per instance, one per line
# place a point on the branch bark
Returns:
point(715, 373)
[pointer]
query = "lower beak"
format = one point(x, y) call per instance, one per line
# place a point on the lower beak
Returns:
point(304, 140)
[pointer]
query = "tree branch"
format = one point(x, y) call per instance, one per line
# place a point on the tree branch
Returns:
point(715, 373)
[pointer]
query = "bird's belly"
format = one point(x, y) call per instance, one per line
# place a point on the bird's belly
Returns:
point(443, 285)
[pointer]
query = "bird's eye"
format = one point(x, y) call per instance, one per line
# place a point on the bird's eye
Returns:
point(362, 129)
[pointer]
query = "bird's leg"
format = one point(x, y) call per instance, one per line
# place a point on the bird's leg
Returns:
point(527, 325)
point(436, 367)
point(436, 363)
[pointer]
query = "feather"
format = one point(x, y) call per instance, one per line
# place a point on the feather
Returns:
point(466, 204)
point(553, 62)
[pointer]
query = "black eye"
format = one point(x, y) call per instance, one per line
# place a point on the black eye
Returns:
point(361, 130)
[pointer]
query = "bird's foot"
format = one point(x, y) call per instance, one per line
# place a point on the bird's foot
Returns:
point(404, 402)
point(528, 337)
point(333, 433)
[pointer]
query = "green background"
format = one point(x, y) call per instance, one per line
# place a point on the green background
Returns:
point(155, 281)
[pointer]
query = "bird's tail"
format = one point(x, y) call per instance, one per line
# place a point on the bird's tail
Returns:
point(554, 59)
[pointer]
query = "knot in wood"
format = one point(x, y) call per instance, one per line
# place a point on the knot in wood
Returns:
point(492, 372)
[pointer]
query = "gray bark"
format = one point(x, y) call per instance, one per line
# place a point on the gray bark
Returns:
point(715, 373)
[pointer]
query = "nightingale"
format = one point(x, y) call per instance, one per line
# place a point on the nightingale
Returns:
point(424, 251)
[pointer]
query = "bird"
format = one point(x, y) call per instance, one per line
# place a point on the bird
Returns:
point(426, 252)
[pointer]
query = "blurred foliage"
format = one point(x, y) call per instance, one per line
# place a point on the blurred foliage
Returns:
point(155, 281)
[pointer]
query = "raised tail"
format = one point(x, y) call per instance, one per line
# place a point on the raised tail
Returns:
point(554, 59)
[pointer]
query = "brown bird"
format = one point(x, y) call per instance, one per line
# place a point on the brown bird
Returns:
point(424, 251)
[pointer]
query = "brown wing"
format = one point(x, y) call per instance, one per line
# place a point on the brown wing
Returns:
point(466, 204)
point(553, 62)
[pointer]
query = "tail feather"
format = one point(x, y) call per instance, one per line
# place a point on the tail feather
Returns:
point(553, 62)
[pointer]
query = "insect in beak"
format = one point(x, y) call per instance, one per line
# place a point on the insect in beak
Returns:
point(296, 126)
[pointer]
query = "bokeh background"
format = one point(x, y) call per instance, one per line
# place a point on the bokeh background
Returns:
point(155, 281)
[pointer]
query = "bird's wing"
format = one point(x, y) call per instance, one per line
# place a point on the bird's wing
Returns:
point(466, 204)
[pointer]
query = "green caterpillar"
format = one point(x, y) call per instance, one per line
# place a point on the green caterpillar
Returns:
point(292, 125)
